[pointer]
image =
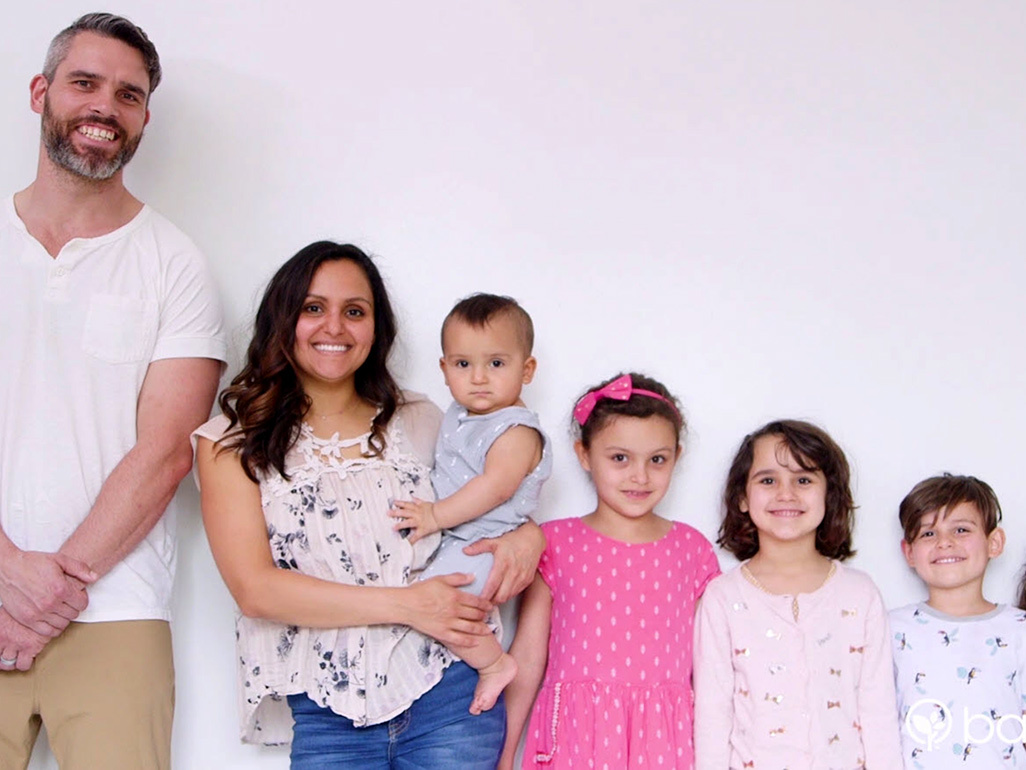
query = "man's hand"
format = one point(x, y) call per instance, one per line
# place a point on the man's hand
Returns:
point(18, 643)
point(516, 557)
point(417, 516)
point(44, 591)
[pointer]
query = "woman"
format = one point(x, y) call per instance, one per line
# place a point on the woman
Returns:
point(297, 478)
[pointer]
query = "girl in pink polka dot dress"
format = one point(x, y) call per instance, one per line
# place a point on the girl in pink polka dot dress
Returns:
point(608, 621)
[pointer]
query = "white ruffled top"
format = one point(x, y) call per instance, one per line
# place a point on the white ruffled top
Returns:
point(329, 520)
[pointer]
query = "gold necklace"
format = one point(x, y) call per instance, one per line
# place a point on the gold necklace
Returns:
point(794, 599)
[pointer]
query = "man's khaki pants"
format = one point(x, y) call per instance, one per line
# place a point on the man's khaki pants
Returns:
point(105, 692)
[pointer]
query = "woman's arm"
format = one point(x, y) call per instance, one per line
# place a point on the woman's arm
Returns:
point(530, 650)
point(516, 555)
point(237, 532)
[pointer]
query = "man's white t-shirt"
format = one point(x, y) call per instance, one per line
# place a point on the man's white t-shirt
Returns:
point(79, 332)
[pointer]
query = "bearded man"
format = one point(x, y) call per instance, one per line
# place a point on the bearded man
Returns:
point(110, 356)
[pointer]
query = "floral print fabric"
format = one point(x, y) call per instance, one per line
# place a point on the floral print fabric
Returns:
point(329, 520)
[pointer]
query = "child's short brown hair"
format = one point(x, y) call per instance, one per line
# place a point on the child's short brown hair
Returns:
point(939, 494)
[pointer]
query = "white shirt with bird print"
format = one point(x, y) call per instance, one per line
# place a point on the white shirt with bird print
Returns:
point(960, 688)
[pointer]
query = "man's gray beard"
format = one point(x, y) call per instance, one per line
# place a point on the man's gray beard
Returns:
point(95, 166)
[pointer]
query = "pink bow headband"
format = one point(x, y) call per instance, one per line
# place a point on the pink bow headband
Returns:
point(620, 389)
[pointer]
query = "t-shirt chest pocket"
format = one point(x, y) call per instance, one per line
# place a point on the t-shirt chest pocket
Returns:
point(120, 329)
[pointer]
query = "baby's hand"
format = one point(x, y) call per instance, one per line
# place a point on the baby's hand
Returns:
point(415, 516)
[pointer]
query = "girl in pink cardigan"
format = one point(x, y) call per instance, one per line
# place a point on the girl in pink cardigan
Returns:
point(792, 651)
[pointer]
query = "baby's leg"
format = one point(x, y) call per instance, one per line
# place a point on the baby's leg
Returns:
point(495, 668)
point(450, 558)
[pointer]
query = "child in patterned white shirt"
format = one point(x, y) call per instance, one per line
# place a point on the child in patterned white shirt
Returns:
point(958, 658)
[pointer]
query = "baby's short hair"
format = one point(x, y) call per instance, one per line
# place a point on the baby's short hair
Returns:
point(939, 494)
point(478, 310)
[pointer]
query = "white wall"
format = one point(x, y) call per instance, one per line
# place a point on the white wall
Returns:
point(809, 209)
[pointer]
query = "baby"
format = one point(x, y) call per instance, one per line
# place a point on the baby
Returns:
point(958, 658)
point(490, 460)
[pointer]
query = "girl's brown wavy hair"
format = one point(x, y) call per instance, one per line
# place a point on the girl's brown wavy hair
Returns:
point(265, 403)
point(813, 449)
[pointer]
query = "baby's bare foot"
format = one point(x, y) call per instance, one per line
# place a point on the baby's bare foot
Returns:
point(492, 680)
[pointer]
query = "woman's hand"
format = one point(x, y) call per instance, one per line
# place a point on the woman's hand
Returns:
point(516, 557)
point(436, 608)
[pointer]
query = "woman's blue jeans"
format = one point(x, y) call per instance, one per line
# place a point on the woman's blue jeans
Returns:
point(435, 733)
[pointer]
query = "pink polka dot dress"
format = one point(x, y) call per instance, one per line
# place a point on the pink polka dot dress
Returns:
point(617, 689)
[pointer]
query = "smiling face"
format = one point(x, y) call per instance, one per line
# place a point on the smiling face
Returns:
point(631, 461)
point(485, 367)
point(94, 110)
point(335, 330)
point(952, 549)
point(785, 502)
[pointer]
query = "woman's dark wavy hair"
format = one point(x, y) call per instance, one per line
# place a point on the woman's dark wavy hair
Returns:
point(265, 403)
point(813, 450)
point(607, 409)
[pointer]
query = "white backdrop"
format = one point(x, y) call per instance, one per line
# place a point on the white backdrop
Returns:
point(807, 209)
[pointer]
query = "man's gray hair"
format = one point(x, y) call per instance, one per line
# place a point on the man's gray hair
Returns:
point(108, 25)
